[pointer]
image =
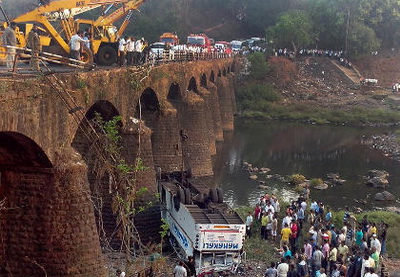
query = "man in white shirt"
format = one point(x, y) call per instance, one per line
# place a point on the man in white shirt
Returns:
point(249, 223)
point(375, 243)
point(283, 268)
point(138, 51)
point(180, 270)
point(270, 207)
point(130, 48)
point(75, 45)
point(121, 50)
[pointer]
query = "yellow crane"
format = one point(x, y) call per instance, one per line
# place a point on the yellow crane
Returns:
point(58, 21)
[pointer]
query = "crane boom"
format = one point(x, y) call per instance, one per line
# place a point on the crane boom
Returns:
point(118, 14)
point(68, 7)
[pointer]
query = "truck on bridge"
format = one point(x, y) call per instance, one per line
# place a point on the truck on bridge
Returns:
point(201, 225)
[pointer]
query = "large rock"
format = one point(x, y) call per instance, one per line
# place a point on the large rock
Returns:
point(253, 177)
point(379, 197)
point(322, 186)
point(378, 182)
point(388, 196)
point(377, 178)
point(377, 173)
point(384, 196)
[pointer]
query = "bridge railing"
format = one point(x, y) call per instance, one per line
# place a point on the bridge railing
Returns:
point(166, 56)
point(184, 56)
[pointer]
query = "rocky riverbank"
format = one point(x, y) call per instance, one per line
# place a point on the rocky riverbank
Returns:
point(388, 144)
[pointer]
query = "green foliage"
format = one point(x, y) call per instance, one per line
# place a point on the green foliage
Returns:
point(316, 182)
point(258, 66)
point(307, 113)
point(297, 179)
point(293, 28)
point(256, 96)
point(362, 40)
point(164, 228)
point(80, 83)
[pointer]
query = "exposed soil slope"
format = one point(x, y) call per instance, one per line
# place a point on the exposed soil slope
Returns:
point(318, 82)
point(385, 67)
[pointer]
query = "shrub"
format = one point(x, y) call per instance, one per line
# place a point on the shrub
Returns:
point(258, 66)
point(297, 179)
point(256, 97)
point(316, 182)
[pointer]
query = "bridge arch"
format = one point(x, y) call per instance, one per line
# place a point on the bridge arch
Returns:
point(26, 193)
point(89, 142)
point(174, 93)
point(192, 85)
point(147, 105)
point(203, 80)
point(212, 77)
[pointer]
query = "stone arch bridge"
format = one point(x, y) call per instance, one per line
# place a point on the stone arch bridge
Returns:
point(172, 116)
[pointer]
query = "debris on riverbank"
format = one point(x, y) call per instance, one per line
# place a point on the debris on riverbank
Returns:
point(388, 144)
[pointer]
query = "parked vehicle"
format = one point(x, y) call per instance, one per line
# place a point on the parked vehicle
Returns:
point(236, 45)
point(169, 38)
point(200, 40)
point(201, 225)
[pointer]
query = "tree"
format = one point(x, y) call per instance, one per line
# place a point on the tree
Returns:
point(258, 66)
point(362, 40)
point(293, 28)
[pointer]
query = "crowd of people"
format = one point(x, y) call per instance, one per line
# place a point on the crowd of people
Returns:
point(328, 53)
point(132, 51)
point(311, 245)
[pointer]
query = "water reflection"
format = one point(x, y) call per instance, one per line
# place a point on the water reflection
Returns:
point(313, 151)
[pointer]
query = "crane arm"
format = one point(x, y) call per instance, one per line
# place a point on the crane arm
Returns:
point(69, 7)
point(118, 14)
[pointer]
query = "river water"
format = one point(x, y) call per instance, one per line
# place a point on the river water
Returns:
point(314, 151)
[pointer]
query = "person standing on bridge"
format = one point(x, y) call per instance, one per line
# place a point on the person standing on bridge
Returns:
point(130, 48)
point(9, 39)
point(34, 44)
point(121, 50)
point(138, 51)
point(75, 44)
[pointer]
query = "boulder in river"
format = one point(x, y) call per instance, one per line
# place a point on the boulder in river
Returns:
point(334, 179)
point(378, 182)
point(253, 177)
point(332, 176)
point(264, 170)
point(377, 178)
point(384, 196)
point(322, 186)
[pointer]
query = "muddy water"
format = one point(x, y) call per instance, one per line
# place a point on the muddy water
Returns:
point(314, 151)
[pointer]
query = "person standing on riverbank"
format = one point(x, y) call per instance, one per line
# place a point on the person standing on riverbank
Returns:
point(285, 235)
point(249, 224)
point(264, 223)
point(271, 271)
point(283, 268)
